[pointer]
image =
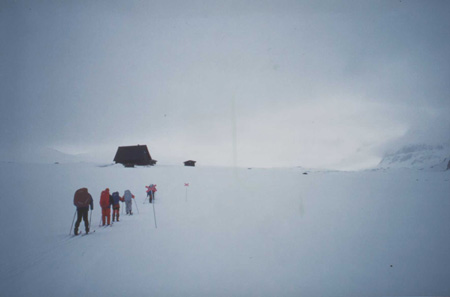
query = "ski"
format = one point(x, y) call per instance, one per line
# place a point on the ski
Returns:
point(84, 234)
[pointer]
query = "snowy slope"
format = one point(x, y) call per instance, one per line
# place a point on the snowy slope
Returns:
point(419, 157)
point(233, 232)
point(46, 155)
point(40, 155)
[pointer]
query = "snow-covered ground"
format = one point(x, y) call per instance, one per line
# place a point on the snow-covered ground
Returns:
point(232, 232)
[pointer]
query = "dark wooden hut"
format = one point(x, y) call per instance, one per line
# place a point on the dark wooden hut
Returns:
point(190, 163)
point(133, 155)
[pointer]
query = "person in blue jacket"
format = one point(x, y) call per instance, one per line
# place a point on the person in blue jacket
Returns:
point(116, 205)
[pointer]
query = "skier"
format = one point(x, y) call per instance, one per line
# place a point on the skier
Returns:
point(82, 200)
point(151, 192)
point(116, 205)
point(127, 196)
point(105, 203)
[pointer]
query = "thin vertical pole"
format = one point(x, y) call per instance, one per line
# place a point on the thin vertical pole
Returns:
point(154, 214)
point(70, 232)
point(90, 218)
point(136, 205)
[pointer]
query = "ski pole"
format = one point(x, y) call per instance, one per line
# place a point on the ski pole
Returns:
point(136, 206)
point(90, 218)
point(154, 214)
point(70, 232)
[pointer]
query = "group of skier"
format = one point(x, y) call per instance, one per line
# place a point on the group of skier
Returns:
point(107, 200)
point(83, 201)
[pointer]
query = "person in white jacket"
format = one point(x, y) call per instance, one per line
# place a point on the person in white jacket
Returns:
point(127, 196)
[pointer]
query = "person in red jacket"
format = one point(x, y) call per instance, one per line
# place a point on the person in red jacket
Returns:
point(151, 192)
point(105, 204)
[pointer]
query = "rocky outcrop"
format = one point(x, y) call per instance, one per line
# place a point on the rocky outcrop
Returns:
point(421, 156)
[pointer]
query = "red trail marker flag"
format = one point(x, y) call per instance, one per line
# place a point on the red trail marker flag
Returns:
point(186, 185)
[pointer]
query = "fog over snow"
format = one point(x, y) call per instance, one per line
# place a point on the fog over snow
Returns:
point(320, 131)
point(331, 84)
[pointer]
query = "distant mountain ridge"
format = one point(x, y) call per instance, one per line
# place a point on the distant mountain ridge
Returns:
point(418, 156)
point(37, 155)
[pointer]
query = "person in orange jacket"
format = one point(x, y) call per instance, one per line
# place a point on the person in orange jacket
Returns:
point(105, 204)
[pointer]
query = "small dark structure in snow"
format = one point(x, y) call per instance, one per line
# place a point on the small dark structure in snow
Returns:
point(448, 165)
point(190, 163)
point(133, 155)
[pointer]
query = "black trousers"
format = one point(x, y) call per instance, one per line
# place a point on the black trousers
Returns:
point(82, 213)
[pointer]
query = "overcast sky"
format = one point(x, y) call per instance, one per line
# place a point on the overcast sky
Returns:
point(330, 84)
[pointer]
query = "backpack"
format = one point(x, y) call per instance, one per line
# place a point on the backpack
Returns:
point(116, 198)
point(151, 188)
point(82, 198)
point(127, 195)
point(104, 199)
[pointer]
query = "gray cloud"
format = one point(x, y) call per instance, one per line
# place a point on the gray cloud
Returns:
point(309, 79)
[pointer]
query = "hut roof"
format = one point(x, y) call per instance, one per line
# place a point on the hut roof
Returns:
point(134, 155)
